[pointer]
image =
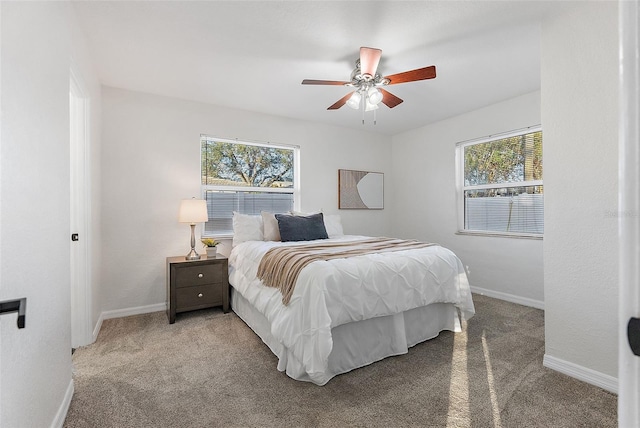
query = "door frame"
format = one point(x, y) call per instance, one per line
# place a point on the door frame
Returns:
point(629, 209)
point(79, 186)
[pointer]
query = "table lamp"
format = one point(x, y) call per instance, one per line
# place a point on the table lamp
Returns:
point(193, 211)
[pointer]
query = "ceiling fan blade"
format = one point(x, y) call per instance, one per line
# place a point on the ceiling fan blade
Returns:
point(342, 101)
point(369, 59)
point(413, 75)
point(389, 99)
point(323, 82)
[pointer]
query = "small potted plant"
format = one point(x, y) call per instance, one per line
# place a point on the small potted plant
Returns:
point(210, 244)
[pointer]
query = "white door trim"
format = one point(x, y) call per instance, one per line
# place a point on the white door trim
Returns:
point(629, 214)
point(81, 331)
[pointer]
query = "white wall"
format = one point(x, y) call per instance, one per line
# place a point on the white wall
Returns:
point(425, 206)
point(579, 118)
point(35, 362)
point(151, 160)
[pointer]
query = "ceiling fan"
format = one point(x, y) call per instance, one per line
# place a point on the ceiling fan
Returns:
point(368, 82)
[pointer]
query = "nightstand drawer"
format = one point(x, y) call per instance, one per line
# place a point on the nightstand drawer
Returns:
point(188, 298)
point(188, 276)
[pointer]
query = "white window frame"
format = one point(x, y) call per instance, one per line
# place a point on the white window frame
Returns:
point(296, 177)
point(461, 188)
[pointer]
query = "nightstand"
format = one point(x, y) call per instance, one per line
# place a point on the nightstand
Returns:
point(196, 284)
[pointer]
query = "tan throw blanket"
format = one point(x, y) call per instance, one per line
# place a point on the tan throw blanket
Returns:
point(280, 266)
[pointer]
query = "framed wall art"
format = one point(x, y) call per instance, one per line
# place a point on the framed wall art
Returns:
point(360, 190)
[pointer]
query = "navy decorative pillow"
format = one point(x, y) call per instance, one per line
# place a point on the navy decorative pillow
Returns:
point(301, 228)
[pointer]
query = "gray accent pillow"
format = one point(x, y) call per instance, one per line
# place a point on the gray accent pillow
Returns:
point(301, 228)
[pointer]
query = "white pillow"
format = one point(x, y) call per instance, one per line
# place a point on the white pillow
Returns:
point(246, 228)
point(271, 230)
point(333, 224)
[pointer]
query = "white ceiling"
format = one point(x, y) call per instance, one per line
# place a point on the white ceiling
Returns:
point(253, 55)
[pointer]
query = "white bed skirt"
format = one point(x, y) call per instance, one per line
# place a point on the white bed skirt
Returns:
point(360, 343)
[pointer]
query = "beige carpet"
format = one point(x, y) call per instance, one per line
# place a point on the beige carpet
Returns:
point(209, 369)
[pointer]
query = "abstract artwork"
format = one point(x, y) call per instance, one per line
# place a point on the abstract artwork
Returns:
point(360, 190)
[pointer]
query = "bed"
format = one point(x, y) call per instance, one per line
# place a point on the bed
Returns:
point(345, 313)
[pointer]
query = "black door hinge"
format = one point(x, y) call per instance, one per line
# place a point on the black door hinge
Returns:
point(75, 237)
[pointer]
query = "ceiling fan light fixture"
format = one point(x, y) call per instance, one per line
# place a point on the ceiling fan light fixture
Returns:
point(368, 84)
point(374, 96)
point(354, 100)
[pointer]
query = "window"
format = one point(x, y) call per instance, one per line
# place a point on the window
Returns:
point(500, 184)
point(247, 178)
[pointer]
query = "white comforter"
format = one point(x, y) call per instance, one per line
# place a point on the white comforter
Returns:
point(335, 292)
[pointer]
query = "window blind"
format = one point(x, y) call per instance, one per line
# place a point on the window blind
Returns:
point(514, 211)
point(221, 206)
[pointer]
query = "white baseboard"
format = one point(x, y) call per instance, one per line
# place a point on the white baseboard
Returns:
point(601, 380)
point(137, 310)
point(525, 301)
point(61, 414)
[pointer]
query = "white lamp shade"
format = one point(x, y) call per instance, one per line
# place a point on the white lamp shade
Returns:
point(369, 107)
point(193, 211)
point(354, 101)
point(375, 96)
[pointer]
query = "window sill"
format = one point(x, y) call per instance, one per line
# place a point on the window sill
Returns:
point(219, 236)
point(501, 234)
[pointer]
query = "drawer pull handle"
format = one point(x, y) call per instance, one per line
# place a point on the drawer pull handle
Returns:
point(200, 295)
point(200, 275)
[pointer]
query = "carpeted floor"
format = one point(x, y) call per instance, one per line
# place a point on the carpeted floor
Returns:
point(209, 369)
